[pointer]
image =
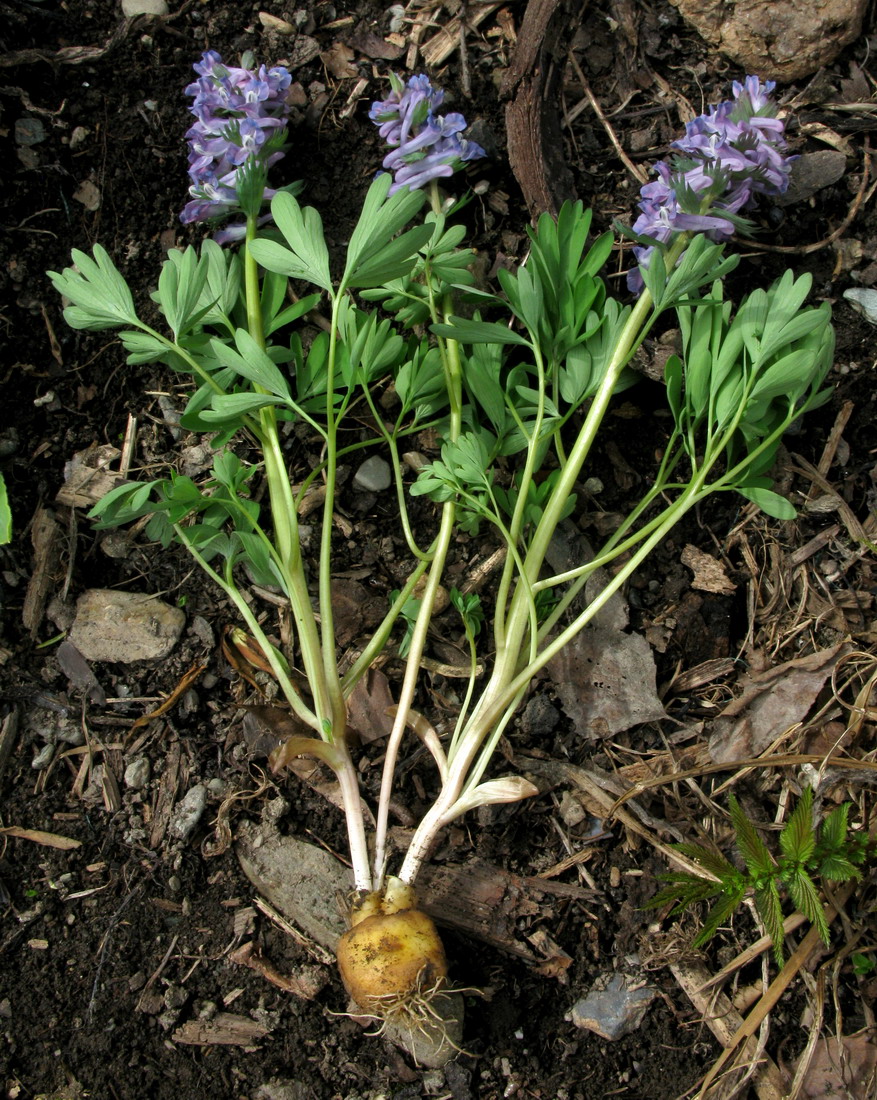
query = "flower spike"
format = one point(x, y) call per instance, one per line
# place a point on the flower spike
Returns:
point(241, 115)
point(728, 157)
point(424, 146)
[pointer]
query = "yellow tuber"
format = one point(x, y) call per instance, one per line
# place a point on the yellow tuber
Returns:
point(391, 960)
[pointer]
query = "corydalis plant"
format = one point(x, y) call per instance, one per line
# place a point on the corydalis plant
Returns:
point(728, 158)
point(810, 852)
point(517, 391)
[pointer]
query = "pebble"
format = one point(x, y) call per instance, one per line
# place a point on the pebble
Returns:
point(397, 18)
point(125, 626)
point(137, 773)
point(130, 8)
point(374, 475)
point(614, 1007)
point(43, 758)
point(188, 812)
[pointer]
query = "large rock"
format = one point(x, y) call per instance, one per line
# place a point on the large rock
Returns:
point(125, 626)
point(777, 39)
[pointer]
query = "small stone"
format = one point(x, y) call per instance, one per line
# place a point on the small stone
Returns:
point(188, 812)
point(29, 131)
point(614, 1007)
point(572, 812)
point(274, 23)
point(79, 136)
point(125, 626)
point(174, 884)
point(43, 758)
point(130, 8)
point(374, 475)
point(137, 773)
point(397, 18)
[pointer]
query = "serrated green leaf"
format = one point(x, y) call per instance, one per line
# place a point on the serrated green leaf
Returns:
point(767, 902)
point(838, 868)
point(833, 832)
point(719, 913)
point(805, 896)
point(752, 848)
point(797, 839)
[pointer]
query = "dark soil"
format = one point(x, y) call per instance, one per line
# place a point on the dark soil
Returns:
point(92, 151)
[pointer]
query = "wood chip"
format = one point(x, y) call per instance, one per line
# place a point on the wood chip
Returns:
point(225, 1029)
point(45, 536)
point(709, 574)
point(440, 47)
point(48, 840)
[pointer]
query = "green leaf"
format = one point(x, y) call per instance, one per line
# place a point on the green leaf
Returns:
point(292, 313)
point(393, 261)
point(838, 868)
point(100, 296)
point(5, 513)
point(478, 332)
point(720, 912)
point(251, 362)
point(180, 286)
point(755, 854)
point(307, 256)
point(381, 219)
point(806, 898)
point(833, 833)
point(143, 347)
point(232, 406)
point(797, 840)
point(772, 504)
point(767, 902)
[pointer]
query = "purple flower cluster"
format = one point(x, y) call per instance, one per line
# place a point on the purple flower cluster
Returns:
point(423, 145)
point(241, 114)
point(728, 157)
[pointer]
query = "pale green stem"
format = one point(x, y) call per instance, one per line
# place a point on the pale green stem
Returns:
point(450, 355)
point(500, 708)
point(285, 521)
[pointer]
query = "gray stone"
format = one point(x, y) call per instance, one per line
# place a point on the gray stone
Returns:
point(188, 812)
point(777, 39)
point(137, 773)
point(301, 880)
point(614, 1007)
point(125, 626)
point(43, 758)
point(130, 8)
point(374, 475)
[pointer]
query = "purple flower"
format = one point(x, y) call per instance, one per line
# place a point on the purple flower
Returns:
point(728, 157)
point(240, 118)
point(423, 145)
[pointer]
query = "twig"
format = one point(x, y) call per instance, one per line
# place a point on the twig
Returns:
point(639, 174)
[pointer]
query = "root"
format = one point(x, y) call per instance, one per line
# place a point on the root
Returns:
point(414, 1012)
